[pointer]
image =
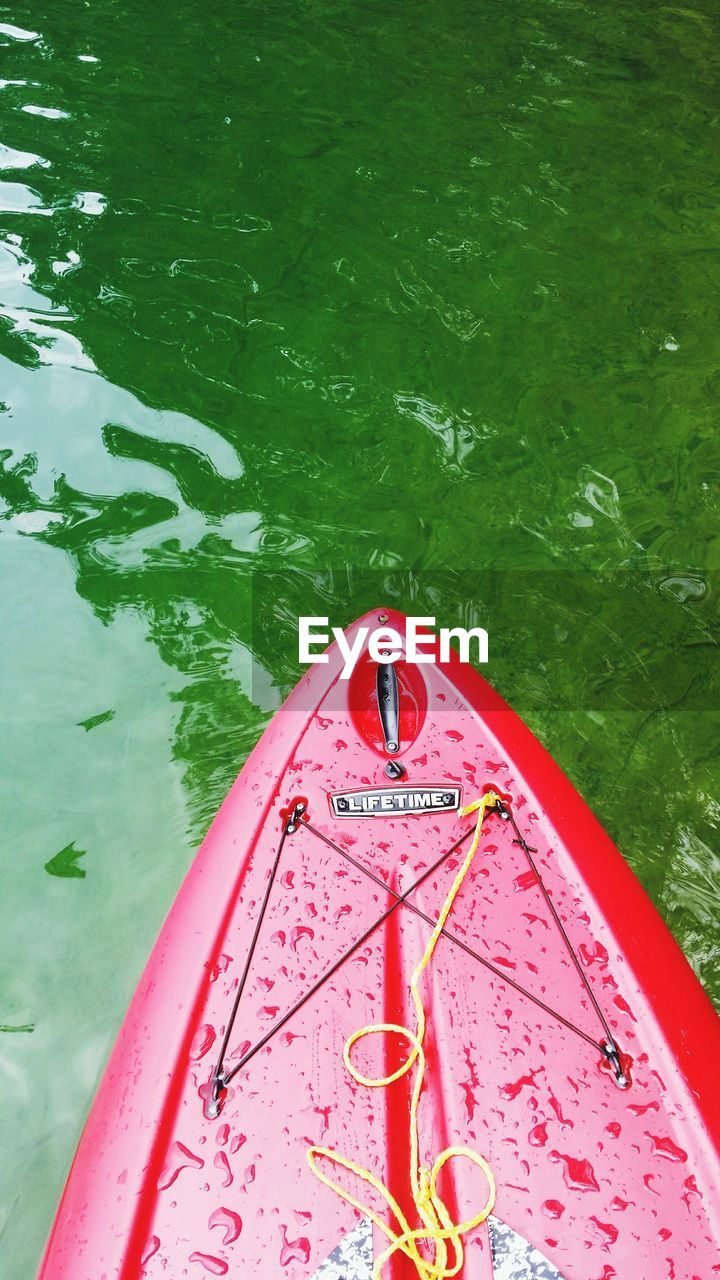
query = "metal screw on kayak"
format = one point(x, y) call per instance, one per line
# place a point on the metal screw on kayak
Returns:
point(394, 769)
point(502, 811)
point(383, 618)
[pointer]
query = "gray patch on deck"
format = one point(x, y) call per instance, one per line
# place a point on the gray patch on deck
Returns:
point(515, 1259)
point(352, 1258)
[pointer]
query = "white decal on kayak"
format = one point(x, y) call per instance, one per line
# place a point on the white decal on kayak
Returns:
point(387, 802)
point(514, 1259)
point(352, 1259)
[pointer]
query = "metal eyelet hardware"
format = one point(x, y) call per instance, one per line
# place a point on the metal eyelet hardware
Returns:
point(291, 825)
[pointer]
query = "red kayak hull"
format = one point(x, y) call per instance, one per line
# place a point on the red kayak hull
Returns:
point(603, 1182)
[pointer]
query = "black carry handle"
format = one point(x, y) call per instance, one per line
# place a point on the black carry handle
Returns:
point(389, 706)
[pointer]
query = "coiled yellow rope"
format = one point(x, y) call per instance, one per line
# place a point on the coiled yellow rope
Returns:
point(438, 1230)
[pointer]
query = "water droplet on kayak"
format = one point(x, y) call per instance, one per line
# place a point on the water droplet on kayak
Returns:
point(240, 1050)
point(177, 1159)
point(298, 932)
point(203, 1040)
point(278, 937)
point(216, 1266)
point(513, 1088)
point(294, 1250)
point(593, 955)
point(150, 1249)
point(567, 1124)
point(237, 1142)
point(579, 1175)
point(222, 1135)
point(526, 880)
point(222, 1163)
point(231, 1224)
point(618, 1204)
point(533, 919)
point(622, 1003)
point(537, 1137)
point(639, 1109)
point(325, 1113)
point(553, 1208)
point(607, 1231)
point(287, 880)
point(220, 966)
point(667, 1148)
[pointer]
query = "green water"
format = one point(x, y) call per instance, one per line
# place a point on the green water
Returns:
point(305, 306)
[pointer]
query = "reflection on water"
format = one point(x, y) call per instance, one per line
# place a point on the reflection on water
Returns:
point(301, 308)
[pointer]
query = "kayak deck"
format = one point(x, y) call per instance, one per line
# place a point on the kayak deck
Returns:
point(599, 1181)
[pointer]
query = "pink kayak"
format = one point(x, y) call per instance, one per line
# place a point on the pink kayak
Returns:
point(533, 1092)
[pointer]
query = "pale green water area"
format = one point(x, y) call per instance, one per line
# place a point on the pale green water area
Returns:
point(306, 306)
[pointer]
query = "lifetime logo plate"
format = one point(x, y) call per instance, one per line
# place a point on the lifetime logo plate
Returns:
point(387, 802)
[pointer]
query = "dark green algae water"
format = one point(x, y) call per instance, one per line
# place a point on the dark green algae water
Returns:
point(307, 306)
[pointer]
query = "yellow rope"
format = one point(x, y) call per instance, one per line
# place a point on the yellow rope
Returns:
point(438, 1229)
